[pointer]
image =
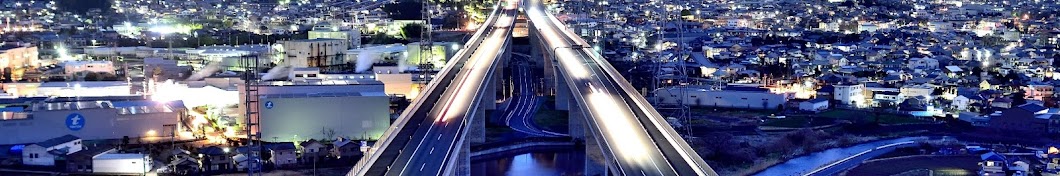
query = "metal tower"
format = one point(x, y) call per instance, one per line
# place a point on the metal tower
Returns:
point(250, 100)
point(684, 112)
point(681, 111)
point(426, 44)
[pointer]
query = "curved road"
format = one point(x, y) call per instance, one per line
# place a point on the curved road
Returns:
point(523, 105)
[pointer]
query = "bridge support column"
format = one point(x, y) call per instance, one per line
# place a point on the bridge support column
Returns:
point(476, 132)
point(465, 159)
point(489, 100)
point(594, 155)
point(576, 123)
point(563, 93)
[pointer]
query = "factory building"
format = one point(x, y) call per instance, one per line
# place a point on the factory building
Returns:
point(321, 109)
point(36, 121)
point(728, 97)
point(69, 89)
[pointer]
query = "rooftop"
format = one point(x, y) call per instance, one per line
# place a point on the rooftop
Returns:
point(56, 141)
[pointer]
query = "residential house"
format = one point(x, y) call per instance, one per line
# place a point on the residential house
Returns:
point(1001, 102)
point(886, 98)
point(1027, 118)
point(1038, 92)
point(313, 150)
point(990, 85)
point(826, 92)
point(81, 162)
point(975, 119)
point(922, 63)
point(45, 153)
point(910, 91)
point(216, 159)
point(965, 98)
point(181, 161)
point(345, 148)
point(284, 154)
point(850, 94)
point(954, 71)
point(243, 162)
point(814, 105)
point(992, 164)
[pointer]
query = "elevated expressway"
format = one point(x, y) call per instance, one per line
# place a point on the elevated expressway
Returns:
point(632, 137)
point(432, 136)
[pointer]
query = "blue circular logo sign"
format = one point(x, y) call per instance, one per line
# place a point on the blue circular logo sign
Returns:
point(269, 105)
point(75, 121)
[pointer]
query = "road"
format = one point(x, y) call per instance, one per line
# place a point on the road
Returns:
point(434, 143)
point(631, 133)
point(519, 114)
point(429, 134)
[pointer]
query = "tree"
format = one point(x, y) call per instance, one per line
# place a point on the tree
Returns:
point(1019, 98)
point(976, 71)
point(686, 12)
point(412, 30)
point(1012, 76)
point(1056, 60)
point(404, 10)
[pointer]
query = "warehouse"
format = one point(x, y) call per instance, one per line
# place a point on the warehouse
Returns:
point(728, 97)
point(298, 111)
point(90, 120)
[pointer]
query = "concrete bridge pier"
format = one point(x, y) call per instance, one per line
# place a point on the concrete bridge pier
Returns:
point(594, 156)
point(576, 122)
point(463, 159)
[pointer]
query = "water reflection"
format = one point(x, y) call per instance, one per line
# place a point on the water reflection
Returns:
point(533, 163)
point(805, 164)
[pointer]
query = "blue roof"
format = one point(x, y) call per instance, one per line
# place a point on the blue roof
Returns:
point(212, 150)
point(826, 88)
point(1032, 107)
point(991, 156)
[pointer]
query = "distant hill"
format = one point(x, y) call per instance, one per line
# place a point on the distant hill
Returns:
point(82, 6)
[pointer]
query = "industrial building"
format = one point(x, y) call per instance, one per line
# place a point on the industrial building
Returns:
point(321, 109)
point(69, 89)
point(329, 31)
point(322, 53)
point(40, 120)
point(728, 97)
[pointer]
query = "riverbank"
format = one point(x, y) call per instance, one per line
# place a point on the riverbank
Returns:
point(810, 161)
point(943, 165)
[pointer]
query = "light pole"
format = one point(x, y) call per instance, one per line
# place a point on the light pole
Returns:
point(555, 58)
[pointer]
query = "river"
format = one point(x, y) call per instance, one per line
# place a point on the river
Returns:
point(543, 163)
point(807, 163)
